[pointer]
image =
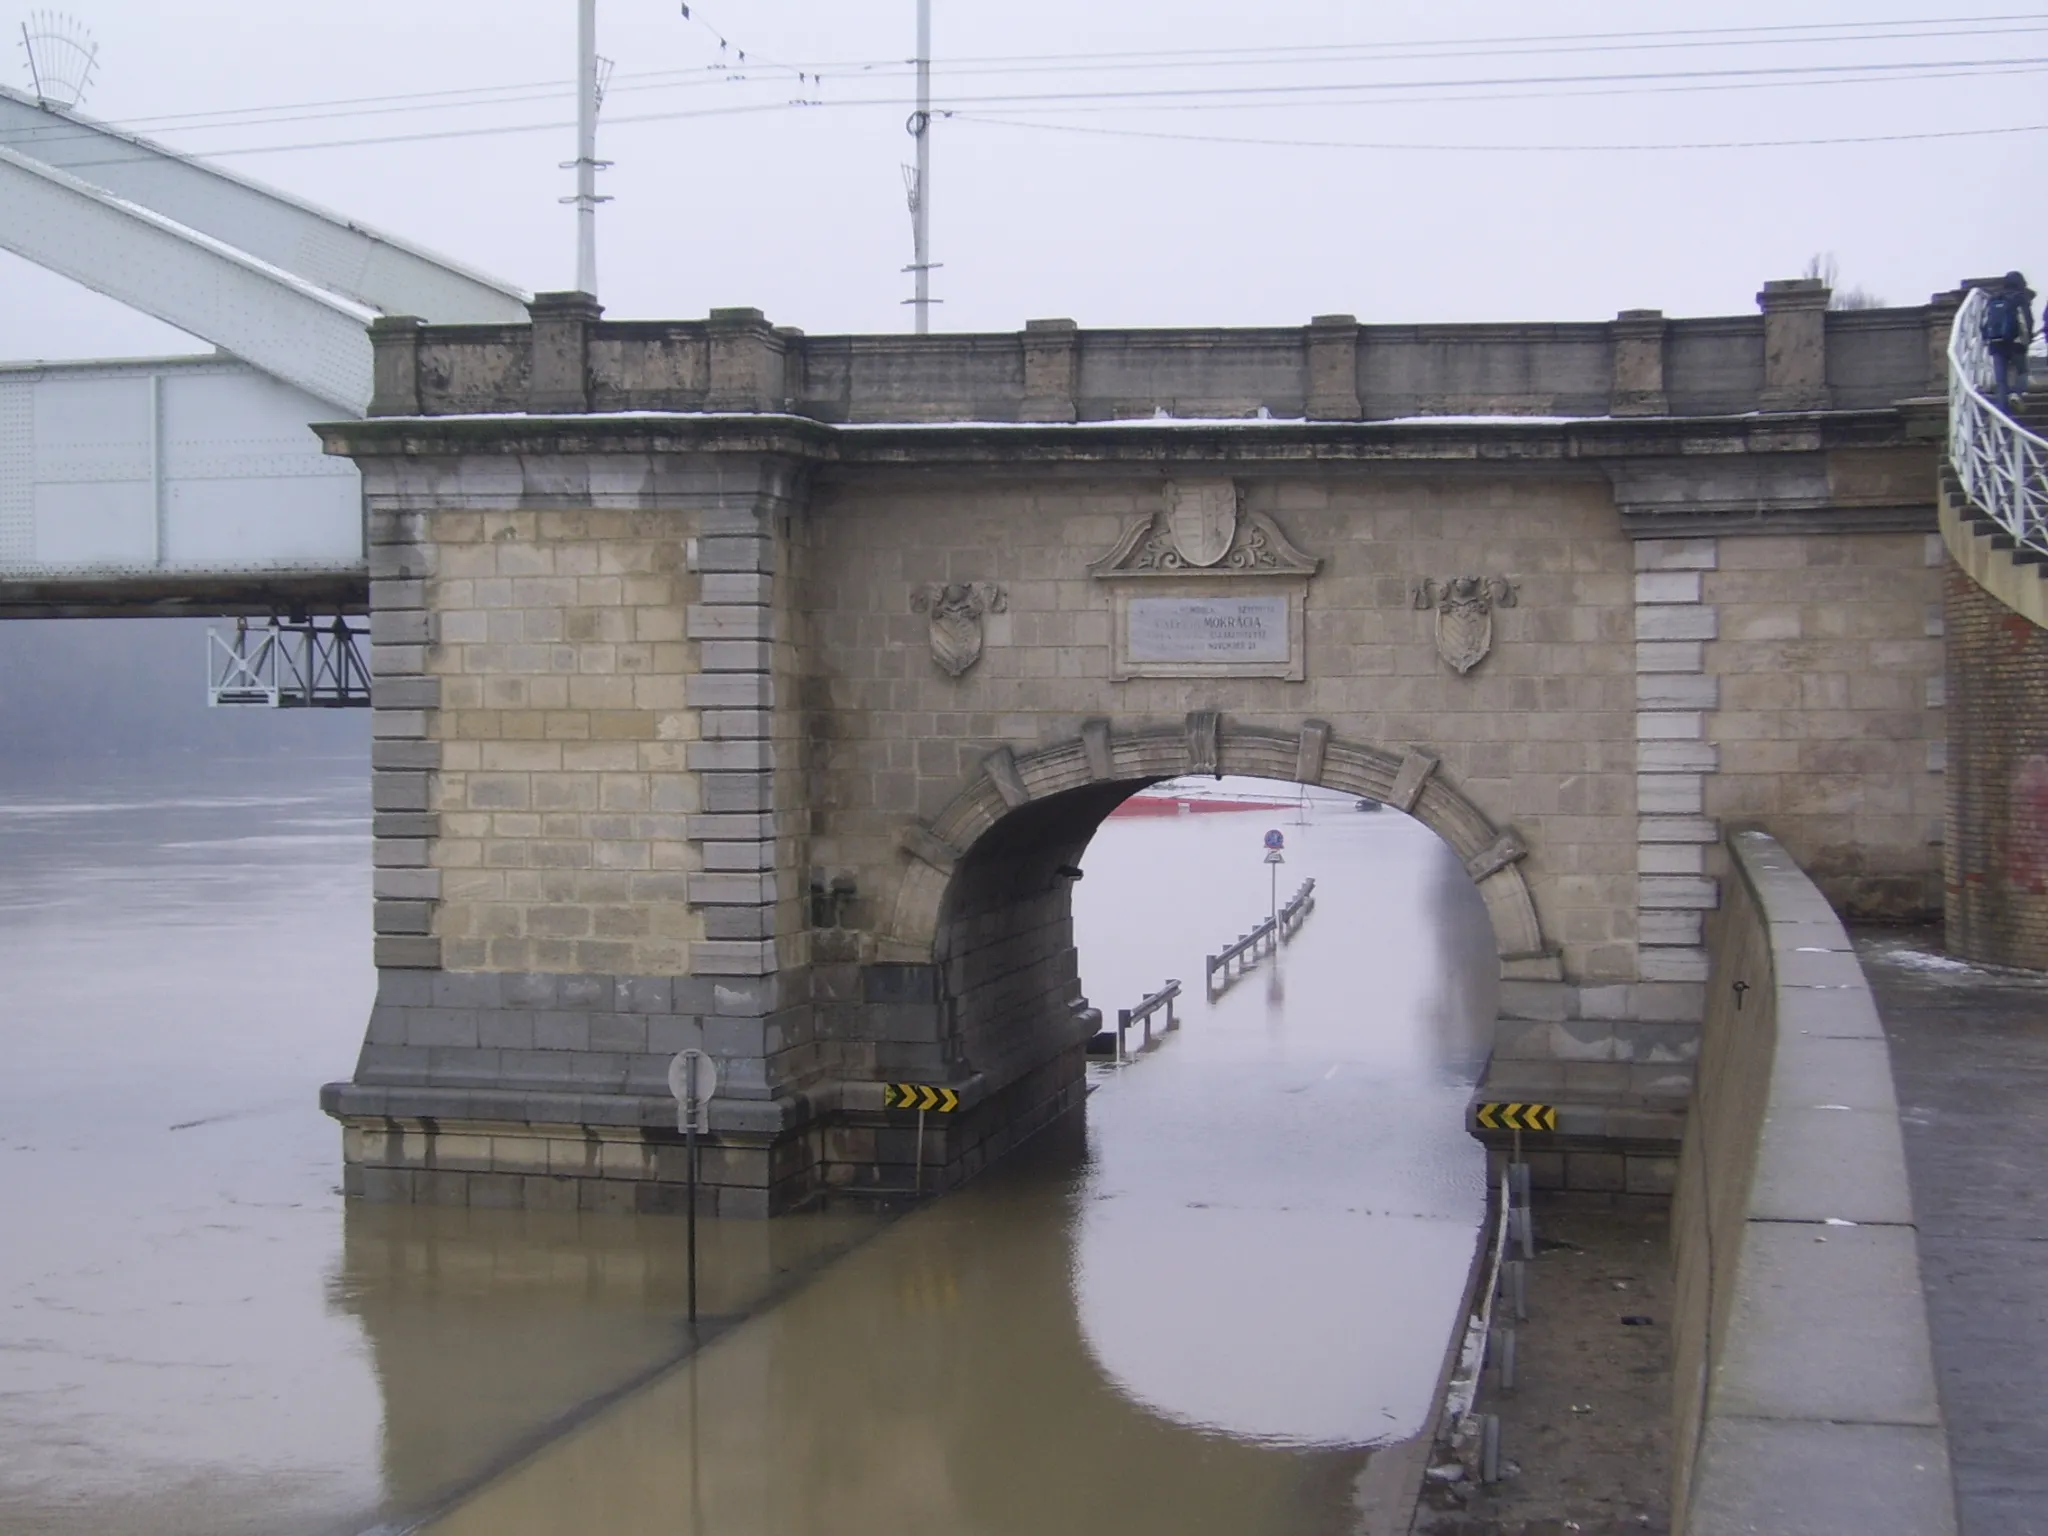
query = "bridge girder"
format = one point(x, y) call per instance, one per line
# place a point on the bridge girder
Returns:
point(285, 326)
point(332, 253)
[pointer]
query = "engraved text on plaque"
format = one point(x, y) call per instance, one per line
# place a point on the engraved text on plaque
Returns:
point(1210, 629)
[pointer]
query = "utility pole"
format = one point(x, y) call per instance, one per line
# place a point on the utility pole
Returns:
point(586, 198)
point(920, 178)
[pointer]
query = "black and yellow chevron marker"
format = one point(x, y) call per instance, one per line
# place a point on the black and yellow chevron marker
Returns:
point(1517, 1117)
point(920, 1096)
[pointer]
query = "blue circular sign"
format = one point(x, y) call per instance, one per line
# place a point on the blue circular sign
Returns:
point(1276, 839)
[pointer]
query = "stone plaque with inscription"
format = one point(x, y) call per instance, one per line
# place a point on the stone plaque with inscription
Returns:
point(1209, 633)
point(1203, 586)
point(1208, 628)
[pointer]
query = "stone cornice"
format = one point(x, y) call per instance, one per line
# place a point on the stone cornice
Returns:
point(1252, 441)
point(1672, 476)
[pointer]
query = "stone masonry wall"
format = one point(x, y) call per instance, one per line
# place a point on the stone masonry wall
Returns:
point(1997, 855)
point(565, 729)
point(1540, 735)
point(1829, 723)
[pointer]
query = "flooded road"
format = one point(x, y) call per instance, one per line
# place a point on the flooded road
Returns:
point(1197, 1314)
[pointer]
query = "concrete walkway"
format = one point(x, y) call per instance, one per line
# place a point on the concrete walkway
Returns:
point(1970, 1058)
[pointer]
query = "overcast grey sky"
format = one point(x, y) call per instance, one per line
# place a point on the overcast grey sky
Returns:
point(1051, 205)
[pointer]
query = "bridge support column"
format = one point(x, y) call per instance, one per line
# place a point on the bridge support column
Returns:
point(587, 834)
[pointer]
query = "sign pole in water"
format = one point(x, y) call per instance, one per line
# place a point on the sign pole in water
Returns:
point(693, 1079)
point(1275, 841)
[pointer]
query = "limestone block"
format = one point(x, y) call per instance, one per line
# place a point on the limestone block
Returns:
point(728, 622)
point(1677, 554)
point(1671, 859)
point(1678, 892)
point(1676, 621)
point(1670, 794)
point(1667, 587)
point(1678, 690)
point(1670, 656)
point(1659, 964)
point(1677, 757)
point(739, 857)
point(733, 756)
point(736, 655)
point(406, 884)
point(1670, 725)
point(1686, 929)
point(733, 958)
point(737, 587)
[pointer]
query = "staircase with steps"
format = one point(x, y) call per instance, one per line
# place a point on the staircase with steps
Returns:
point(1993, 507)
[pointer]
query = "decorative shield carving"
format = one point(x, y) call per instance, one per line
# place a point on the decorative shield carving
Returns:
point(956, 610)
point(1464, 615)
point(1202, 517)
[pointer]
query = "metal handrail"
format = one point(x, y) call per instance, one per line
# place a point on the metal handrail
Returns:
point(2002, 466)
point(1244, 954)
point(1142, 1014)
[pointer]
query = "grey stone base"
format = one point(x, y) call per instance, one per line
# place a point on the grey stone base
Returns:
point(444, 1145)
point(575, 1167)
point(878, 1149)
point(1593, 1167)
point(1620, 1114)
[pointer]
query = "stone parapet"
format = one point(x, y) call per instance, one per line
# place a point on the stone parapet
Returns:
point(1804, 1379)
point(571, 360)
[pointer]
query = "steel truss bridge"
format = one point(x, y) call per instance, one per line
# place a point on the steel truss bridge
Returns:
point(193, 485)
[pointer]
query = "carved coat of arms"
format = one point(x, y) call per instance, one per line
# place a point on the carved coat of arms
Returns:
point(1201, 515)
point(1464, 615)
point(955, 610)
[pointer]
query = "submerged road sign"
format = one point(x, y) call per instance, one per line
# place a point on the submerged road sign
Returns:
point(1518, 1117)
point(920, 1096)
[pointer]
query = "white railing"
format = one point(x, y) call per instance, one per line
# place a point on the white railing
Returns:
point(2003, 467)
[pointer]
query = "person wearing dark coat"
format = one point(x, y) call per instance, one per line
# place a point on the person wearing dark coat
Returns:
point(2008, 330)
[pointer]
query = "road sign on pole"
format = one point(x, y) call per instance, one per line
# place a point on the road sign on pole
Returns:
point(693, 1079)
point(1276, 839)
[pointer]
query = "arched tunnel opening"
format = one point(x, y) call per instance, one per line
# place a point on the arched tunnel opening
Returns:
point(1295, 1150)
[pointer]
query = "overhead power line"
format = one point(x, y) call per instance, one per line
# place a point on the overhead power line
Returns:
point(1398, 146)
point(1303, 57)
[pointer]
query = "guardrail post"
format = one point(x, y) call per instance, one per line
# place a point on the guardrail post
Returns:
point(1123, 1024)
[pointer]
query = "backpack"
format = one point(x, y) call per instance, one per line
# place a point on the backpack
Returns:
point(2002, 318)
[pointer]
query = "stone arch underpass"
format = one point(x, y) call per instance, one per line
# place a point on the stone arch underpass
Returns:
point(981, 915)
point(1024, 815)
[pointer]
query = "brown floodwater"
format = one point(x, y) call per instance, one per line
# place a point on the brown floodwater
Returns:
point(1198, 1311)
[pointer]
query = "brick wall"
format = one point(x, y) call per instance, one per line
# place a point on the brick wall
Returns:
point(1996, 863)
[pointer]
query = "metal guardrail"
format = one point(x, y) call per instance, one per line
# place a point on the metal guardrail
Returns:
point(1262, 940)
point(1471, 1437)
point(1127, 1018)
point(2002, 466)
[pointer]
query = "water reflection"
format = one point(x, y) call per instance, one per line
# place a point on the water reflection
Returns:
point(198, 1334)
point(1197, 1314)
point(934, 1381)
point(1280, 1206)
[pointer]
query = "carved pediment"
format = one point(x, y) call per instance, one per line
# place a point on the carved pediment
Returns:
point(1201, 529)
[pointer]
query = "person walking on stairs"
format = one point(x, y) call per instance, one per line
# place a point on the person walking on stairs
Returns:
point(2007, 331)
